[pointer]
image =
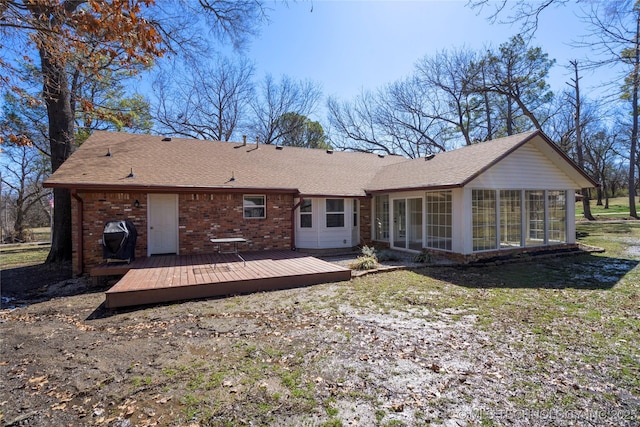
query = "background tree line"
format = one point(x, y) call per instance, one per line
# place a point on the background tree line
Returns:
point(70, 67)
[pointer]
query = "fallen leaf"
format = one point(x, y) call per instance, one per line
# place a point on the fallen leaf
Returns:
point(397, 407)
point(37, 379)
point(59, 406)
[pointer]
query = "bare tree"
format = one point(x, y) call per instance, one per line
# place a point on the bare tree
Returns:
point(274, 99)
point(615, 40)
point(356, 125)
point(395, 120)
point(527, 13)
point(23, 175)
point(577, 105)
point(54, 34)
point(517, 73)
point(451, 99)
point(206, 102)
point(450, 76)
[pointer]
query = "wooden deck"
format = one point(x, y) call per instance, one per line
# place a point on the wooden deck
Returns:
point(167, 278)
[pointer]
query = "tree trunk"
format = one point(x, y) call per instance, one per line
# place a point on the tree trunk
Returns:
point(634, 129)
point(584, 191)
point(487, 107)
point(509, 116)
point(61, 124)
point(18, 225)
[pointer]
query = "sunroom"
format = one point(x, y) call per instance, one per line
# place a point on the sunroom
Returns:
point(496, 219)
point(509, 194)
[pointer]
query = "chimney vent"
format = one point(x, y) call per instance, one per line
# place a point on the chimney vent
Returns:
point(166, 139)
point(244, 140)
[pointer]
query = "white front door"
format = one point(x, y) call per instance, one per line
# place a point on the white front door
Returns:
point(163, 224)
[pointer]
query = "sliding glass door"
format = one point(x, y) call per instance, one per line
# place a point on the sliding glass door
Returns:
point(407, 223)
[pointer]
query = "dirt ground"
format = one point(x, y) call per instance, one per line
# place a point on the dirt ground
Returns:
point(296, 357)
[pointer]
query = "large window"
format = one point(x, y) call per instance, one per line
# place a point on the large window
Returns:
point(306, 214)
point(439, 220)
point(484, 220)
point(254, 206)
point(535, 217)
point(557, 211)
point(526, 218)
point(510, 218)
point(381, 207)
point(335, 213)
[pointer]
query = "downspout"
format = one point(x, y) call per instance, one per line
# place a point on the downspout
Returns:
point(74, 194)
point(293, 223)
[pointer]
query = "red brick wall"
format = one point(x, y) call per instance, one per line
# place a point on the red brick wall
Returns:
point(201, 216)
point(365, 220)
point(100, 208)
point(205, 216)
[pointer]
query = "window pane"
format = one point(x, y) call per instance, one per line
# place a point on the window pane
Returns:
point(382, 218)
point(556, 207)
point(335, 220)
point(439, 212)
point(306, 206)
point(510, 219)
point(254, 212)
point(306, 216)
point(535, 217)
point(253, 201)
point(484, 220)
point(355, 212)
point(335, 205)
point(306, 221)
point(254, 207)
point(335, 212)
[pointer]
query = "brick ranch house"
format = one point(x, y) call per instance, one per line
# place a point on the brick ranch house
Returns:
point(510, 194)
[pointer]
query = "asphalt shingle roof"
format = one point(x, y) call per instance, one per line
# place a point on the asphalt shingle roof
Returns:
point(449, 169)
point(183, 164)
point(190, 163)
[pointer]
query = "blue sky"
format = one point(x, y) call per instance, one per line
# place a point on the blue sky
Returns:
point(347, 46)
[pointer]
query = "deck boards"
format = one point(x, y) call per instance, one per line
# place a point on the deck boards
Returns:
point(168, 278)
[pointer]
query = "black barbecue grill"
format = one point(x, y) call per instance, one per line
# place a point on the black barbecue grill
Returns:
point(119, 241)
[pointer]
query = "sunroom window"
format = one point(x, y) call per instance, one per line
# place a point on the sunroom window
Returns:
point(510, 218)
point(557, 209)
point(484, 220)
point(535, 217)
point(439, 219)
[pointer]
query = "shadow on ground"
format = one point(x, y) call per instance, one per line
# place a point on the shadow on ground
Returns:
point(42, 282)
point(585, 271)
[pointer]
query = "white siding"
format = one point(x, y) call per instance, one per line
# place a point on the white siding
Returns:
point(308, 237)
point(322, 237)
point(526, 168)
point(461, 207)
